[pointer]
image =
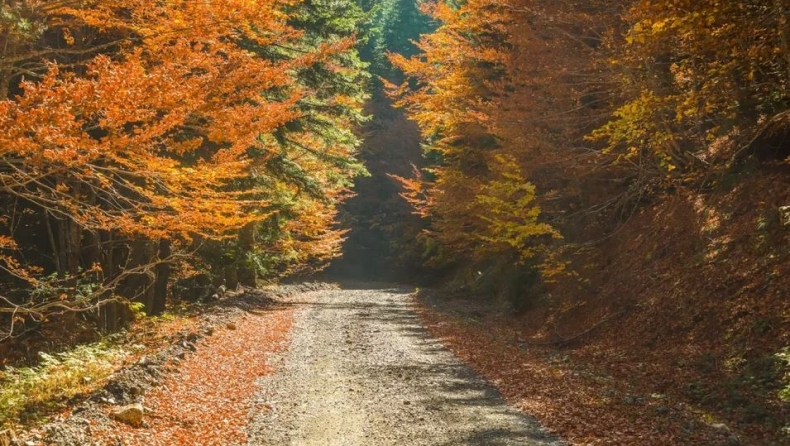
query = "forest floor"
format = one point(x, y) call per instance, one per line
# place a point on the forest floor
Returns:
point(369, 366)
point(672, 330)
point(327, 367)
point(570, 394)
point(192, 376)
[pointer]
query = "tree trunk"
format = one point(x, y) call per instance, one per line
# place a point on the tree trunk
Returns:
point(69, 245)
point(139, 286)
point(53, 242)
point(162, 271)
point(247, 274)
point(71, 240)
point(112, 315)
point(231, 277)
point(108, 317)
point(92, 255)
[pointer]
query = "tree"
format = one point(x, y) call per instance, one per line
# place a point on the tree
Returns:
point(460, 75)
point(393, 26)
point(700, 81)
point(315, 158)
point(134, 130)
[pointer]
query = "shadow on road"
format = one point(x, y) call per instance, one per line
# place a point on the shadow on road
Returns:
point(449, 387)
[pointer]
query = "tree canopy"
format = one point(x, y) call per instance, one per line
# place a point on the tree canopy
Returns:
point(136, 134)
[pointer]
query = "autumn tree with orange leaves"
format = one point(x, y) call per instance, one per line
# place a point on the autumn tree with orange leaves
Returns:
point(474, 192)
point(602, 105)
point(135, 133)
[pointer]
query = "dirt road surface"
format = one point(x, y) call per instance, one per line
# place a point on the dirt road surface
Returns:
point(361, 370)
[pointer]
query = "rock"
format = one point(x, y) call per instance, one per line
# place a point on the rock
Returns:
point(7, 437)
point(192, 337)
point(131, 414)
point(662, 410)
point(231, 326)
point(156, 372)
point(209, 331)
point(687, 430)
point(730, 439)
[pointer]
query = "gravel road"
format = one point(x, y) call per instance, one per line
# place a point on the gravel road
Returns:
point(361, 370)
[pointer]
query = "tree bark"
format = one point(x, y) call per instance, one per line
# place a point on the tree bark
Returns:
point(231, 277)
point(247, 274)
point(162, 271)
point(139, 286)
point(114, 314)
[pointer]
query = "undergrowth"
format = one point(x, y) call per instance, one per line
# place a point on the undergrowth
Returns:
point(784, 356)
point(29, 391)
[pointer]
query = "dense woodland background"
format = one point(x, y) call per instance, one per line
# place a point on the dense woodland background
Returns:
point(616, 173)
point(565, 160)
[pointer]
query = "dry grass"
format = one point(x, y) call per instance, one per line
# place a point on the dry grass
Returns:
point(57, 378)
point(29, 394)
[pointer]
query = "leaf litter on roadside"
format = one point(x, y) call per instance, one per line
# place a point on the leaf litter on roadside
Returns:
point(208, 400)
point(579, 405)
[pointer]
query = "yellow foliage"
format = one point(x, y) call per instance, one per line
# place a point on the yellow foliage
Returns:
point(509, 210)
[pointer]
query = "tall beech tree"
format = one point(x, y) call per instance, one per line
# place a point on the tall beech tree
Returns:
point(469, 190)
point(135, 132)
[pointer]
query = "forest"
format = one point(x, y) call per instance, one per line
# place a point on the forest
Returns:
point(604, 178)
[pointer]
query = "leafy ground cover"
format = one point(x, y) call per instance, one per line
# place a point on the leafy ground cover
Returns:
point(577, 400)
point(194, 374)
point(208, 400)
point(57, 378)
point(30, 393)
